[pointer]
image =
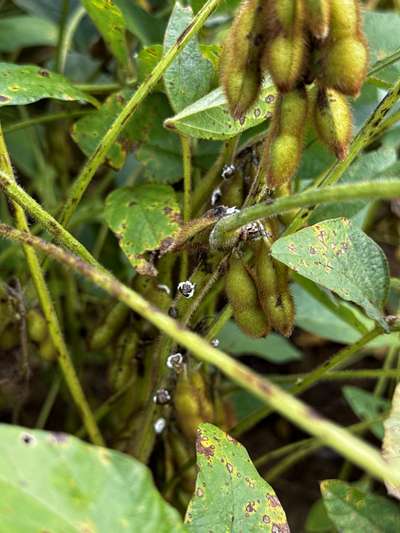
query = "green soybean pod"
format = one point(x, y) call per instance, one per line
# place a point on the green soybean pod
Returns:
point(318, 14)
point(112, 324)
point(241, 292)
point(333, 121)
point(36, 326)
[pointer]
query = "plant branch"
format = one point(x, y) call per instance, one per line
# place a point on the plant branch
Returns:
point(100, 152)
point(376, 190)
point(55, 331)
point(290, 407)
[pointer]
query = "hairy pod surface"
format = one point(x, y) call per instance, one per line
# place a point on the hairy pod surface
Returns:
point(36, 326)
point(318, 14)
point(47, 350)
point(333, 121)
point(112, 324)
point(284, 144)
point(241, 292)
point(240, 59)
point(273, 290)
point(345, 19)
point(344, 65)
point(192, 404)
point(286, 51)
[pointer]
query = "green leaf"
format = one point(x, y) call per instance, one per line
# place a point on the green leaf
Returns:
point(315, 318)
point(25, 84)
point(209, 117)
point(142, 217)
point(189, 76)
point(147, 28)
point(318, 520)
point(230, 495)
point(156, 149)
point(88, 131)
point(110, 22)
point(342, 258)
point(274, 348)
point(55, 482)
point(366, 406)
point(382, 30)
point(23, 31)
point(351, 510)
point(391, 440)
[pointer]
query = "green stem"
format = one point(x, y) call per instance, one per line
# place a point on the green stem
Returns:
point(22, 198)
point(46, 303)
point(340, 375)
point(100, 153)
point(187, 197)
point(310, 379)
point(43, 119)
point(67, 36)
point(290, 407)
point(383, 63)
point(368, 190)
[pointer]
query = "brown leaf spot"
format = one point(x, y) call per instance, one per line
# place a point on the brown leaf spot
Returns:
point(273, 501)
point(266, 519)
point(229, 467)
point(199, 492)
point(44, 73)
point(250, 508)
point(207, 451)
point(4, 98)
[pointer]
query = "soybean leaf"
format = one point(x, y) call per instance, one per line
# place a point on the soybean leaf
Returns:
point(147, 28)
point(274, 348)
point(110, 22)
point(352, 510)
point(142, 217)
point(382, 30)
point(209, 117)
point(366, 406)
point(51, 9)
point(230, 495)
point(315, 318)
point(25, 84)
point(156, 149)
point(189, 76)
point(318, 520)
point(55, 482)
point(22, 31)
point(391, 440)
point(342, 258)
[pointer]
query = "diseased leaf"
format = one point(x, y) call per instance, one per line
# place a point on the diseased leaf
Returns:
point(342, 258)
point(209, 117)
point(189, 76)
point(22, 31)
point(351, 510)
point(156, 149)
point(110, 22)
point(391, 440)
point(142, 217)
point(230, 495)
point(274, 348)
point(55, 482)
point(366, 406)
point(25, 84)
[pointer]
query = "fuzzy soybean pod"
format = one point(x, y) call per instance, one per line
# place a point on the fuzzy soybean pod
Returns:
point(36, 326)
point(345, 53)
point(241, 292)
point(284, 143)
point(192, 404)
point(273, 289)
point(47, 350)
point(112, 324)
point(318, 13)
point(240, 59)
point(333, 121)
point(124, 366)
point(285, 53)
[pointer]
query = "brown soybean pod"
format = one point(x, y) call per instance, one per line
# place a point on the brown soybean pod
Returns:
point(240, 59)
